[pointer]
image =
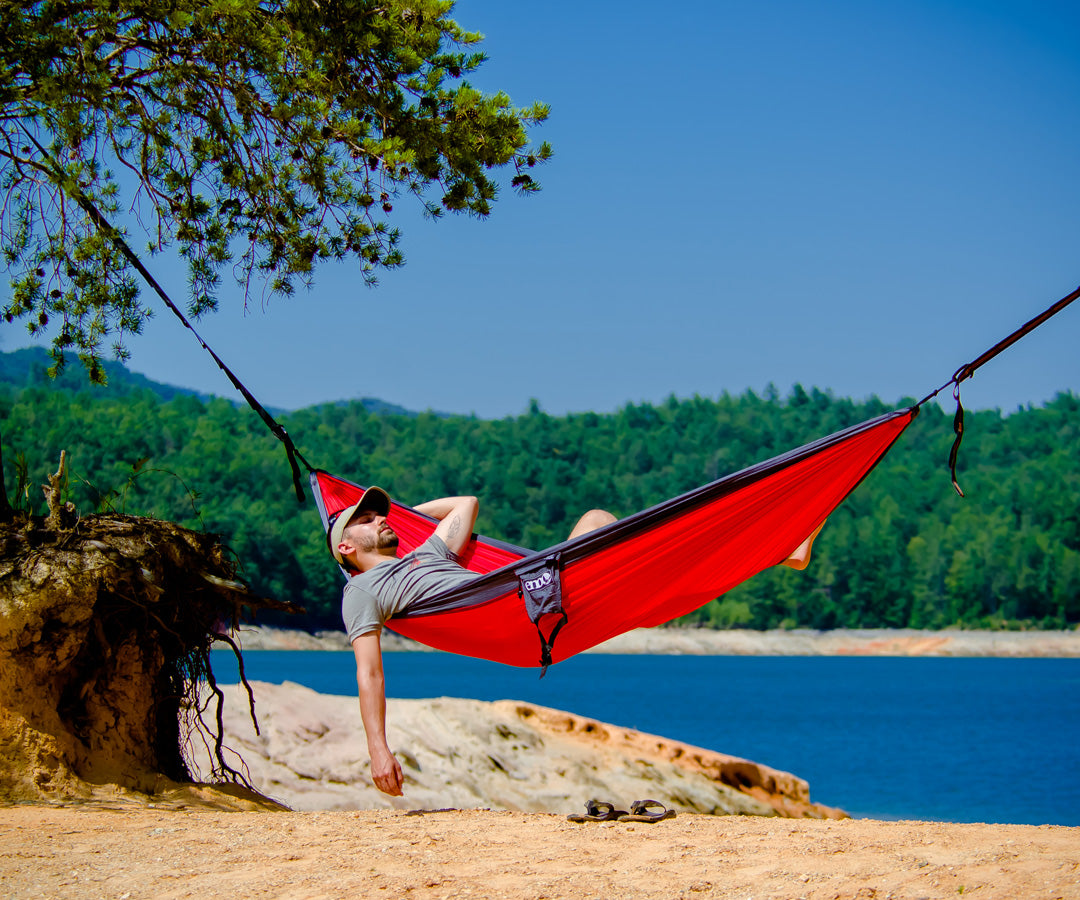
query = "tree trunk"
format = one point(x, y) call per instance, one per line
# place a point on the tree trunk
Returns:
point(6, 512)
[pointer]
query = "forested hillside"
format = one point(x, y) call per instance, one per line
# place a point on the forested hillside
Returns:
point(903, 551)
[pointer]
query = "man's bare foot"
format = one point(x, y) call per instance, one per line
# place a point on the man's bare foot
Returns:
point(800, 559)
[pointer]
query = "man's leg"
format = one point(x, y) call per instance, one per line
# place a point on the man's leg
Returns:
point(800, 559)
point(593, 519)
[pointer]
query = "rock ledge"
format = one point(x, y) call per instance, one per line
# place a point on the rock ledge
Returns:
point(312, 755)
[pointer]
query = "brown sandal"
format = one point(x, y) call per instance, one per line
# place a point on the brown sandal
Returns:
point(598, 811)
point(639, 812)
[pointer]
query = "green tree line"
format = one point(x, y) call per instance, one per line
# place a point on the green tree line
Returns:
point(902, 551)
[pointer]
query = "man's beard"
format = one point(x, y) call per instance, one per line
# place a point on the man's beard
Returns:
point(384, 540)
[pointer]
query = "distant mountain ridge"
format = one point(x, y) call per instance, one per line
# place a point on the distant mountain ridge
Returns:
point(28, 367)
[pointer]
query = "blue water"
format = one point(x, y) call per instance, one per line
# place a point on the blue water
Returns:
point(961, 740)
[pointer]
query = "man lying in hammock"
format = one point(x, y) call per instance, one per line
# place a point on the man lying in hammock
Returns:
point(361, 539)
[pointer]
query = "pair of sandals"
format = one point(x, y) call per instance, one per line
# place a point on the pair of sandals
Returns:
point(640, 811)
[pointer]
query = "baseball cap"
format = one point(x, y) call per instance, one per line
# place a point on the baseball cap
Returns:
point(374, 498)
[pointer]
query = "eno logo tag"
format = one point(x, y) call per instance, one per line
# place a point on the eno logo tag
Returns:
point(534, 584)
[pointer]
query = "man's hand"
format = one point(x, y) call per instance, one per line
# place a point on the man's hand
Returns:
point(456, 515)
point(385, 769)
point(386, 773)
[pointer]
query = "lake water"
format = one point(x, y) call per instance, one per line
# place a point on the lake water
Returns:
point(961, 740)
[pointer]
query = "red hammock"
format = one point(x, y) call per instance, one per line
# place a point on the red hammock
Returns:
point(645, 570)
point(641, 571)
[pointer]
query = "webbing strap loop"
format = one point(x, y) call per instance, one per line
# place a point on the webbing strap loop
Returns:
point(958, 428)
point(547, 644)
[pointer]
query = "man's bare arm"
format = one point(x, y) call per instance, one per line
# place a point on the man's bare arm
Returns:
point(457, 517)
point(385, 769)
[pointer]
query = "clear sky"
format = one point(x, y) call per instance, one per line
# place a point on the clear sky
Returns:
point(855, 196)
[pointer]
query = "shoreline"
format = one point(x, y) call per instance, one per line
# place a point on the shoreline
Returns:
point(708, 642)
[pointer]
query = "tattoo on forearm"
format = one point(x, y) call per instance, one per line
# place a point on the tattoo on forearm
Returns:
point(454, 528)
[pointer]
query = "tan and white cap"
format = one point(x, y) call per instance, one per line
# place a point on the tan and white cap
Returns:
point(374, 498)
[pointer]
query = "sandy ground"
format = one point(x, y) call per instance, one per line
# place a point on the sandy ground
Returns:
point(129, 854)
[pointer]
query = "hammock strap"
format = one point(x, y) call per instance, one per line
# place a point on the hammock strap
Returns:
point(275, 427)
point(57, 174)
point(967, 370)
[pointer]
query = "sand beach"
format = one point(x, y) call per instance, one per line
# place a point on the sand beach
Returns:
point(430, 855)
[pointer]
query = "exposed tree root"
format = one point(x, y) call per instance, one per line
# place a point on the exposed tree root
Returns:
point(106, 625)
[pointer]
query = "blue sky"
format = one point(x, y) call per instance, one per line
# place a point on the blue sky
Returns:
point(848, 195)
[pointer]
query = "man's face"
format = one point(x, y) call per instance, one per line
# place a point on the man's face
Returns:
point(369, 531)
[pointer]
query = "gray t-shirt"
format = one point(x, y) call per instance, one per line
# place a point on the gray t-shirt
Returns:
point(372, 597)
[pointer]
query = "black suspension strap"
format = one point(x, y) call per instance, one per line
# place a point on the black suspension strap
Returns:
point(72, 189)
point(275, 427)
point(967, 370)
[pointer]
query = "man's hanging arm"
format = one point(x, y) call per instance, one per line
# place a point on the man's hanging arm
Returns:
point(385, 769)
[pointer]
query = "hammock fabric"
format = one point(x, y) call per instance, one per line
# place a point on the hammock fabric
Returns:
point(638, 572)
